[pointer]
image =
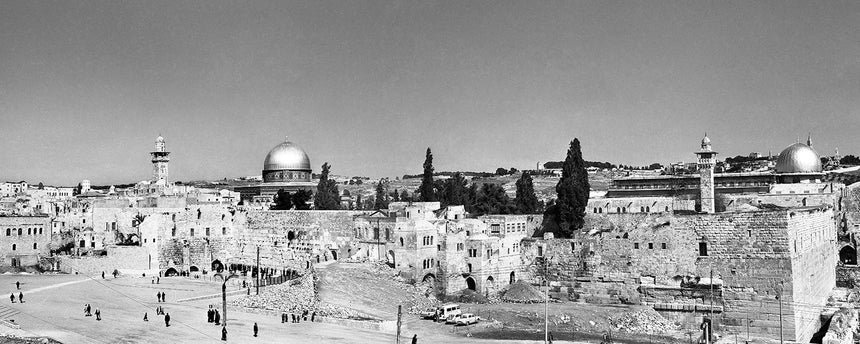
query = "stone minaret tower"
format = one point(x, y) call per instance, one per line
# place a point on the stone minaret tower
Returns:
point(160, 158)
point(706, 163)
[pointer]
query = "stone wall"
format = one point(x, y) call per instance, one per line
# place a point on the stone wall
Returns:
point(668, 260)
point(128, 258)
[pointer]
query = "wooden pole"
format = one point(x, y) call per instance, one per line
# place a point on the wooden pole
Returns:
point(399, 314)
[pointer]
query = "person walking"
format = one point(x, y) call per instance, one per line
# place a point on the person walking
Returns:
point(217, 317)
point(89, 310)
point(313, 315)
point(163, 297)
point(18, 285)
point(145, 318)
point(255, 329)
point(167, 320)
point(415, 338)
point(20, 297)
point(209, 315)
point(224, 333)
point(98, 314)
point(158, 296)
point(12, 297)
point(103, 275)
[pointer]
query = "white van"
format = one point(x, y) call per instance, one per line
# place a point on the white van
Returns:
point(446, 311)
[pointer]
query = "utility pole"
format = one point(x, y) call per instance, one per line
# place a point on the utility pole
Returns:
point(546, 303)
point(258, 270)
point(748, 326)
point(779, 296)
point(399, 313)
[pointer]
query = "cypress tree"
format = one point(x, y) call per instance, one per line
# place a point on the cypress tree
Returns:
point(404, 196)
point(381, 199)
point(328, 197)
point(526, 200)
point(426, 190)
point(572, 190)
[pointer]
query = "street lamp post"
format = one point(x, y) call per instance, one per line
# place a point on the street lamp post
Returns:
point(224, 295)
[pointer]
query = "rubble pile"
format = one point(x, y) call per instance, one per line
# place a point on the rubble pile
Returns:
point(522, 292)
point(295, 295)
point(642, 321)
point(421, 297)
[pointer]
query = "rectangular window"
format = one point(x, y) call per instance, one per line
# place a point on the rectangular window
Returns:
point(703, 249)
point(192, 231)
point(223, 230)
point(572, 246)
point(207, 231)
point(650, 245)
point(663, 245)
point(636, 245)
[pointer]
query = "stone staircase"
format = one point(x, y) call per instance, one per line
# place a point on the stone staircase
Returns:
point(7, 312)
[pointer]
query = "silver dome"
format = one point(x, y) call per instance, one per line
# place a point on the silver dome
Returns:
point(798, 158)
point(287, 156)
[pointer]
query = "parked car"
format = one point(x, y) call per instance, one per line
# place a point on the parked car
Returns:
point(467, 319)
point(452, 319)
point(428, 313)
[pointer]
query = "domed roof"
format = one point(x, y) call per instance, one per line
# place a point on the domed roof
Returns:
point(287, 156)
point(798, 158)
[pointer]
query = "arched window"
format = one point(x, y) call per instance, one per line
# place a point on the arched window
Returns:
point(617, 209)
point(20, 230)
point(8, 231)
point(13, 247)
point(648, 209)
point(34, 246)
point(401, 241)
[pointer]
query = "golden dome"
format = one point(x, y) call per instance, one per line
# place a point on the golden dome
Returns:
point(798, 158)
point(287, 156)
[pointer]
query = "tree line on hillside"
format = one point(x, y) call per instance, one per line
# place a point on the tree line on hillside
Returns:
point(486, 198)
point(603, 165)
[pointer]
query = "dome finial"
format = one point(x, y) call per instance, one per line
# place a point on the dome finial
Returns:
point(809, 140)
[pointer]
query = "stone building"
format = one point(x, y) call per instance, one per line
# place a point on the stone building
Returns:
point(24, 239)
point(445, 246)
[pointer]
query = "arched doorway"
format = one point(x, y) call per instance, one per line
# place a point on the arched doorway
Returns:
point(470, 283)
point(490, 286)
point(429, 278)
point(513, 277)
point(334, 254)
point(193, 269)
point(217, 266)
point(848, 255)
point(390, 258)
point(171, 272)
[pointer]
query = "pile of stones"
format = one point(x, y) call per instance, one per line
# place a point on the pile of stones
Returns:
point(643, 321)
point(522, 292)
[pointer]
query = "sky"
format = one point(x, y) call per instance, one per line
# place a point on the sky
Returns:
point(87, 86)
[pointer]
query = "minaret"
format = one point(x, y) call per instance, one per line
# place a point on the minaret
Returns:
point(160, 159)
point(706, 163)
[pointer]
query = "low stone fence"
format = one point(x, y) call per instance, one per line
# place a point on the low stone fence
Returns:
point(389, 326)
point(128, 258)
point(10, 324)
point(243, 291)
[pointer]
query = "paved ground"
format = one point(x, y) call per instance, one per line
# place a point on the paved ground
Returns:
point(54, 308)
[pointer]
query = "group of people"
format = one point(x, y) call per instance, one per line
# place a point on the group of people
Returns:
point(296, 318)
point(20, 297)
point(88, 312)
point(213, 316)
point(161, 296)
point(156, 280)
